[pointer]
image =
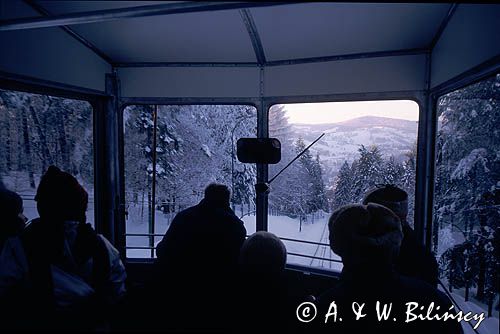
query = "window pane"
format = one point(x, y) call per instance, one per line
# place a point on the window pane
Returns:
point(195, 146)
point(467, 192)
point(365, 143)
point(38, 131)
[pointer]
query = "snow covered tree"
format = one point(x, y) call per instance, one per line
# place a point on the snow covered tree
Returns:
point(368, 171)
point(468, 175)
point(281, 199)
point(343, 188)
point(39, 130)
point(393, 172)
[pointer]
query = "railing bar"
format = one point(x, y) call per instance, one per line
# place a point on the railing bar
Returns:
point(293, 254)
point(139, 247)
point(286, 239)
point(314, 257)
point(305, 241)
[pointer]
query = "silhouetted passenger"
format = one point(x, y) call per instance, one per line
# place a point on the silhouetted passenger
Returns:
point(414, 259)
point(11, 212)
point(367, 238)
point(59, 272)
point(264, 297)
point(197, 262)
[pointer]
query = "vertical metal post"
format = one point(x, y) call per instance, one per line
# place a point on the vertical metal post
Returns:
point(425, 191)
point(232, 168)
point(153, 186)
point(430, 168)
point(421, 163)
point(262, 169)
point(107, 165)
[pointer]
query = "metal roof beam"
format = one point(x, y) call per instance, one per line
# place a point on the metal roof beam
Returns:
point(391, 53)
point(71, 32)
point(128, 12)
point(185, 64)
point(254, 35)
point(405, 52)
point(443, 25)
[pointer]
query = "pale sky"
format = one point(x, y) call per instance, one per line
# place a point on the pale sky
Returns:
point(333, 112)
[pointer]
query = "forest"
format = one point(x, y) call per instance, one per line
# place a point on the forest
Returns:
point(303, 190)
point(466, 232)
point(37, 131)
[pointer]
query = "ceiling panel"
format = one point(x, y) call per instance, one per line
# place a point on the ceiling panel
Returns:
point(216, 36)
point(287, 32)
point(323, 29)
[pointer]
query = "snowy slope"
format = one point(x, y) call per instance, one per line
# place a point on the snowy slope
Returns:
point(342, 140)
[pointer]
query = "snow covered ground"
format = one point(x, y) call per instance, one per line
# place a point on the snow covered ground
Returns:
point(282, 226)
point(488, 325)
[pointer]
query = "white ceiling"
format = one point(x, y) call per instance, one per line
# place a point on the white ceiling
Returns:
point(286, 31)
point(322, 29)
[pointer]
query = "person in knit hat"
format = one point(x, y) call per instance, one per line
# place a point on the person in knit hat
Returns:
point(368, 239)
point(60, 197)
point(365, 236)
point(11, 211)
point(414, 259)
point(264, 293)
point(59, 271)
point(263, 252)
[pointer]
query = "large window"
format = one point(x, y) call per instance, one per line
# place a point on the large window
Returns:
point(466, 220)
point(37, 131)
point(365, 144)
point(171, 154)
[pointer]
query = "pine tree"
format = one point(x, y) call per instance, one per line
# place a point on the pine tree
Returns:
point(281, 199)
point(468, 172)
point(393, 172)
point(368, 171)
point(344, 187)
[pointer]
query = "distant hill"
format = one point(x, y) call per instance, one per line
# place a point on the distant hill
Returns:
point(342, 140)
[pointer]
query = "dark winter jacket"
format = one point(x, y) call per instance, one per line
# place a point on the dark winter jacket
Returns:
point(386, 286)
point(415, 260)
point(196, 269)
point(202, 236)
point(59, 276)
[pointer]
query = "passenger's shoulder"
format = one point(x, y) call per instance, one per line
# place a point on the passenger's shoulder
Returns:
point(109, 246)
point(423, 290)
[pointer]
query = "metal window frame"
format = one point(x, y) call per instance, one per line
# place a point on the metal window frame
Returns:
point(426, 99)
point(418, 97)
point(14, 82)
point(262, 105)
point(474, 75)
point(124, 102)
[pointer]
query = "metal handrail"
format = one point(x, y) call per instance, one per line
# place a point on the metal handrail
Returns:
point(282, 238)
point(305, 241)
point(315, 257)
point(289, 253)
point(139, 247)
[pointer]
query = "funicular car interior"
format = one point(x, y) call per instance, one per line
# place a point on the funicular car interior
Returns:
point(117, 54)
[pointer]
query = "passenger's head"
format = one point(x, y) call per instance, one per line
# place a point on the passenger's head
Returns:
point(365, 235)
point(391, 197)
point(11, 211)
point(217, 195)
point(264, 253)
point(60, 197)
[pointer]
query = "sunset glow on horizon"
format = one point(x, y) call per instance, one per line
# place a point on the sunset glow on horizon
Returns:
point(334, 112)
